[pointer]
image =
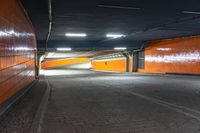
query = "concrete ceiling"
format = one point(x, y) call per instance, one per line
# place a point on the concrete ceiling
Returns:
point(141, 20)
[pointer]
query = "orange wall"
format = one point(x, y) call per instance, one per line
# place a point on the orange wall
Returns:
point(17, 49)
point(63, 62)
point(173, 56)
point(117, 65)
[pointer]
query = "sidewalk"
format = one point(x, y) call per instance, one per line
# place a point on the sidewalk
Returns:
point(20, 116)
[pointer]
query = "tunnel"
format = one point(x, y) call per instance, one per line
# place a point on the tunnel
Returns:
point(99, 66)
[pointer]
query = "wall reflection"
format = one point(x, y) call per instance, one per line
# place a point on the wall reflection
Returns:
point(174, 56)
point(17, 49)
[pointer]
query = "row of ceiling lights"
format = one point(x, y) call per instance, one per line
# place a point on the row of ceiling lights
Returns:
point(114, 36)
point(70, 49)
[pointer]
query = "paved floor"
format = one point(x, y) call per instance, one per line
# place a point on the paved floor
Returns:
point(20, 117)
point(95, 102)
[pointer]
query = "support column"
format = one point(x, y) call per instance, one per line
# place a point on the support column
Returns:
point(135, 61)
point(39, 55)
point(127, 62)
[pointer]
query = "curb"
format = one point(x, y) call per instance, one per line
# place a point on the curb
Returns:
point(38, 119)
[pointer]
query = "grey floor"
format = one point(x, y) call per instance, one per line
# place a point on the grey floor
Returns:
point(84, 101)
point(21, 115)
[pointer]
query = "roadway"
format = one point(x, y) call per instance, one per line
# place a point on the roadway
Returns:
point(84, 101)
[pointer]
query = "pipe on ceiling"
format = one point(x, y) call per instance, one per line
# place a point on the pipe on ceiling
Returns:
point(119, 7)
point(165, 25)
point(50, 22)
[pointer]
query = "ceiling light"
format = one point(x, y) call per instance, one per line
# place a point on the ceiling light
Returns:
point(115, 35)
point(75, 34)
point(191, 12)
point(120, 48)
point(64, 49)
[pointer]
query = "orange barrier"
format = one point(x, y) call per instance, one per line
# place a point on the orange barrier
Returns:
point(17, 49)
point(63, 62)
point(173, 56)
point(116, 65)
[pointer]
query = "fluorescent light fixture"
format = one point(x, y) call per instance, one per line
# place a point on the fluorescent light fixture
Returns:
point(115, 35)
point(120, 48)
point(64, 49)
point(191, 12)
point(75, 34)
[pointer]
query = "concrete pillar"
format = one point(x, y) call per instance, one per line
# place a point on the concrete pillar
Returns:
point(127, 62)
point(135, 61)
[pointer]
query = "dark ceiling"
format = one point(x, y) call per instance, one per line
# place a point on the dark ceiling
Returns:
point(154, 20)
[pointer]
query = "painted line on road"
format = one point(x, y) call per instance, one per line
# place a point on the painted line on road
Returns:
point(181, 109)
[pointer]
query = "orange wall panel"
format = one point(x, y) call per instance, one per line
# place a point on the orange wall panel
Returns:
point(174, 56)
point(117, 65)
point(17, 49)
point(63, 62)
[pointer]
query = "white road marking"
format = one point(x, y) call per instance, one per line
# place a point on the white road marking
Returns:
point(181, 109)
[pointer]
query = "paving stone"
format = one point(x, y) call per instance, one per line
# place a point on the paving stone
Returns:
point(21, 115)
point(97, 102)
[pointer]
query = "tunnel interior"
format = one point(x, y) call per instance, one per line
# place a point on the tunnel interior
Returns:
point(99, 66)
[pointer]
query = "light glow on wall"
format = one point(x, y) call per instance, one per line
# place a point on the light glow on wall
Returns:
point(9, 33)
point(23, 49)
point(3, 34)
point(182, 57)
point(164, 49)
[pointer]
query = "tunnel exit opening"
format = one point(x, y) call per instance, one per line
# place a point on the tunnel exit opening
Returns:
point(108, 61)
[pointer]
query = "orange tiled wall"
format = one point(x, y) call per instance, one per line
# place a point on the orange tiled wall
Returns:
point(63, 62)
point(173, 56)
point(17, 49)
point(115, 65)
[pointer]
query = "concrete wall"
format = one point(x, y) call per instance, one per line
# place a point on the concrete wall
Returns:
point(173, 56)
point(17, 49)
